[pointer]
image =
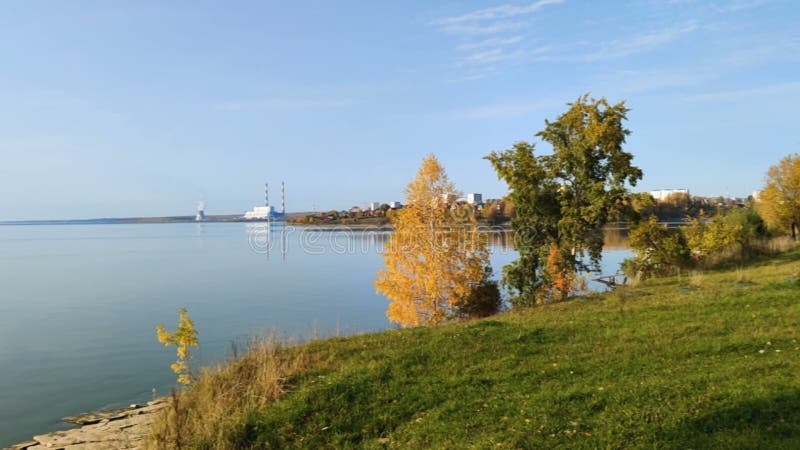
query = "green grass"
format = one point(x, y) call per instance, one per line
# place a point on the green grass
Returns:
point(656, 366)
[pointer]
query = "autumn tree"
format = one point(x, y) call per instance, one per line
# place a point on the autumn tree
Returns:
point(184, 337)
point(436, 259)
point(562, 200)
point(779, 201)
point(707, 238)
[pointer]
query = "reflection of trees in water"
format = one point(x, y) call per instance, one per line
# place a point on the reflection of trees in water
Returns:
point(613, 239)
point(501, 239)
point(350, 241)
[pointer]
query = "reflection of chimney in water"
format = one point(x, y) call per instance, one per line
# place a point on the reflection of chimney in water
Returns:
point(283, 241)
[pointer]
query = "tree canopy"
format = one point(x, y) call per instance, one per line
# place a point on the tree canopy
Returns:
point(562, 200)
point(779, 201)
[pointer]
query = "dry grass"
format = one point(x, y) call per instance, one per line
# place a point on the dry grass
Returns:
point(777, 245)
point(635, 280)
point(209, 414)
point(742, 276)
point(697, 279)
point(737, 254)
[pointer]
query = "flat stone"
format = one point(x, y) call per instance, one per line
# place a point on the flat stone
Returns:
point(24, 445)
point(120, 429)
point(99, 416)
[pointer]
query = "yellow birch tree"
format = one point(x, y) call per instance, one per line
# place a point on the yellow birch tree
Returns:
point(434, 260)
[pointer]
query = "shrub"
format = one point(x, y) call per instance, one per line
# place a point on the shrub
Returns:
point(738, 235)
point(484, 301)
point(710, 238)
point(659, 251)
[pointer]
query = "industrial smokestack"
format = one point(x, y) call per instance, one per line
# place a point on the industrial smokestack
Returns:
point(283, 198)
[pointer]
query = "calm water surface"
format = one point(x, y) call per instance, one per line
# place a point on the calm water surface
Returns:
point(79, 303)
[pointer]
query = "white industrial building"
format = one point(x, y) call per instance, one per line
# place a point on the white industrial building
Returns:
point(474, 199)
point(374, 206)
point(260, 212)
point(395, 205)
point(663, 194)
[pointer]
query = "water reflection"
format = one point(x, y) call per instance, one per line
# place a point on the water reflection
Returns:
point(265, 238)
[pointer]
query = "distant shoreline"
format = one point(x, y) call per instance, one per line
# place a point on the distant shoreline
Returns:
point(130, 220)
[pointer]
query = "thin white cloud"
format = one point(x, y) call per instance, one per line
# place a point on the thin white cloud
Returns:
point(283, 104)
point(508, 56)
point(741, 5)
point(620, 48)
point(647, 81)
point(489, 55)
point(738, 94)
point(489, 43)
point(501, 110)
point(497, 12)
point(764, 52)
point(492, 56)
point(477, 28)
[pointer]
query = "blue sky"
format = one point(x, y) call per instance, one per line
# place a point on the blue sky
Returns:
point(117, 109)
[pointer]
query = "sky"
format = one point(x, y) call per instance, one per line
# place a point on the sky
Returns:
point(143, 108)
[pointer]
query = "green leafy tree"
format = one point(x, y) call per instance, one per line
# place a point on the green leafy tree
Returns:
point(643, 204)
point(563, 199)
point(534, 193)
point(184, 337)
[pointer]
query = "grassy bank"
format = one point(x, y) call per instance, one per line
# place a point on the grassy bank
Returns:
point(705, 361)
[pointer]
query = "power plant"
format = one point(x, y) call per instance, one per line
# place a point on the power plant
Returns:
point(268, 212)
point(201, 212)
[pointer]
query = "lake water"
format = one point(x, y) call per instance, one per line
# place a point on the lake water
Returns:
point(79, 303)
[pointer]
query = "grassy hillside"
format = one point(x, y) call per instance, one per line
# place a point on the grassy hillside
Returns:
point(707, 361)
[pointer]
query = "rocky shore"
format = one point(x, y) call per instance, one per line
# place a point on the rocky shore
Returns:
point(125, 428)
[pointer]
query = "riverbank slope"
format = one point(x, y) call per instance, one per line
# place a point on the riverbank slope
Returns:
point(704, 361)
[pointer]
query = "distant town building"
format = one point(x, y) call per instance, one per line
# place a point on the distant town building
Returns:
point(374, 206)
point(395, 205)
point(756, 194)
point(663, 194)
point(474, 199)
